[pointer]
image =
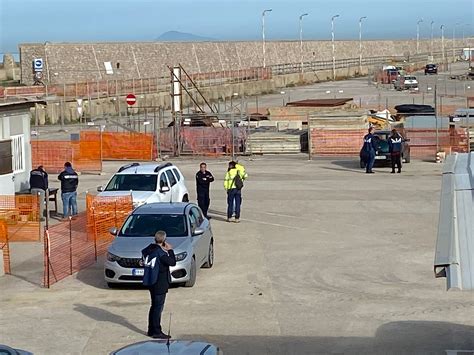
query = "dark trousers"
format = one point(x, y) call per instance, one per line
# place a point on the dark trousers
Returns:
point(396, 160)
point(234, 200)
point(154, 315)
point(203, 202)
point(370, 161)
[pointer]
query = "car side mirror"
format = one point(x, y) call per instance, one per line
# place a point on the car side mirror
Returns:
point(100, 188)
point(198, 231)
point(164, 189)
point(113, 231)
point(407, 139)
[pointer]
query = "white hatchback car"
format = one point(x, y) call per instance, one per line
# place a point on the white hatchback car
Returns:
point(147, 183)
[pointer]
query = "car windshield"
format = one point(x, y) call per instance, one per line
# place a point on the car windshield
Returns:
point(410, 78)
point(146, 225)
point(135, 182)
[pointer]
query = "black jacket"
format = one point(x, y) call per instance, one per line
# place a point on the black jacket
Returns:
point(203, 180)
point(395, 143)
point(38, 179)
point(162, 266)
point(69, 180)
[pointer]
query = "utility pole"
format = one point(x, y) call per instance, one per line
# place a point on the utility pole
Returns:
point(418, 35)
point(333, 48)
point(431, 39)
point(301, 40)
point(263, 34)
point(442, 41)
point(360, 44)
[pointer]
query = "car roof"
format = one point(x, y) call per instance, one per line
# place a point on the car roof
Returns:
point(162, 208)
point(148, 168)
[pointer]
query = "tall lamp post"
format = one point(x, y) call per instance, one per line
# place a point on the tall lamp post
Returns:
point(360, 43)
point(431, 39)
point(454, 41)
point(333, 48)
point(263, 34)
point(442, 41)
point(418, 35)
point(301, 39)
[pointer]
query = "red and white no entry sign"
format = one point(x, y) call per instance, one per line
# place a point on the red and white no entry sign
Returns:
point(131, 99)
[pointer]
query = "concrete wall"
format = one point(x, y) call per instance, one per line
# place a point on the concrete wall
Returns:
point(78, 62)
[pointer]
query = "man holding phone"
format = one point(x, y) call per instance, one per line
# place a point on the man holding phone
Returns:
point(157, 259)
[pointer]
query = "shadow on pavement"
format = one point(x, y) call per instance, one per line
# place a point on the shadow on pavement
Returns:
point(404, 337)
point(102, 315)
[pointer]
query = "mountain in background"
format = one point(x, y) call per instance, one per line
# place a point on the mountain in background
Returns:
point(176, 36)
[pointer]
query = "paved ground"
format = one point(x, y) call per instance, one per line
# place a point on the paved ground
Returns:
point(327, 260)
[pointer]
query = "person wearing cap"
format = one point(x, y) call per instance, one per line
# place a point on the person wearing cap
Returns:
point(395, 146)
point(39, 186)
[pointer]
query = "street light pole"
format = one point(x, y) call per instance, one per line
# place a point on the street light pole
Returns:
point(263, 34)
point(442, 40)
point(431, 39)
point(418, 35)
point(301, 40)
point(333, 48)
point(360, 44)
point(454, 41)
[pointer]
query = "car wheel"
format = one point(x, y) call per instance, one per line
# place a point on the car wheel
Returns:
point(192, 275)
point(185, 198)
point(210, 256)
point(407, 159)
point(362, 164)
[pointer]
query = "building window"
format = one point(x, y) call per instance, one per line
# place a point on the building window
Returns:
point(18, 153)
point(6, 157)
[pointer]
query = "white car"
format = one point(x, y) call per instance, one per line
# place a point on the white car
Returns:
point(406, 82)
point(147, 183)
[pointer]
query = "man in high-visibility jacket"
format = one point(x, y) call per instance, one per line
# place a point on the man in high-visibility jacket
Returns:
point(233, 183)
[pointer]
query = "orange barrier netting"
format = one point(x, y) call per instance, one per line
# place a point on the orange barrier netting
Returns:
point(4, 245)
point(423, 141)
point(67, 249)
point(74, 245)
point(84, 155)
point(118, 145)
point(327, 142)
point(21, 214)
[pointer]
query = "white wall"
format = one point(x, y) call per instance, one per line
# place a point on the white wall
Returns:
point(13, 123)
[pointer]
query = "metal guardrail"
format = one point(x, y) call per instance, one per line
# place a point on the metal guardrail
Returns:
point(292, 68)
point(454, 257)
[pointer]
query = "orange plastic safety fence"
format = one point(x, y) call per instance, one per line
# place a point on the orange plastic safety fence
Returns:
point(118, 145)
point(21, 214)
point(83, 154)
point(326, 142)
point(423, 142)
point(68, 249)
point(5, 246)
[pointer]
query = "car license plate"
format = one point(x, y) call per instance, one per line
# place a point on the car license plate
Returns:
point(380, 157)
point(138, 272)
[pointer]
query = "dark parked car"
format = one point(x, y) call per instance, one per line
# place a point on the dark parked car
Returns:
point(431, 69)
point(382, 154)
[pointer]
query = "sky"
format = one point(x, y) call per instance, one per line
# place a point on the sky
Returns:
point(39, 21)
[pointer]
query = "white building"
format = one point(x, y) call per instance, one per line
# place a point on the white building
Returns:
point(15, 147)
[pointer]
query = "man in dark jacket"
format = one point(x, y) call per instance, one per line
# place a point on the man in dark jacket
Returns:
point(69, 181)
point(157, 259)
point(395, 145)
point(39, 186)
point(369, 148)
point(203, 182)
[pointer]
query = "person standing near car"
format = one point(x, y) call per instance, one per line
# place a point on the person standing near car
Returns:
point(233, 183)
point(203, 182)
point(39, 186)
point(395, 146)
point(157, 259)
point(369, 148)
point(69, 181)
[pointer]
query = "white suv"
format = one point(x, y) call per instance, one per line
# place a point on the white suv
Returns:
point(147, 183)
